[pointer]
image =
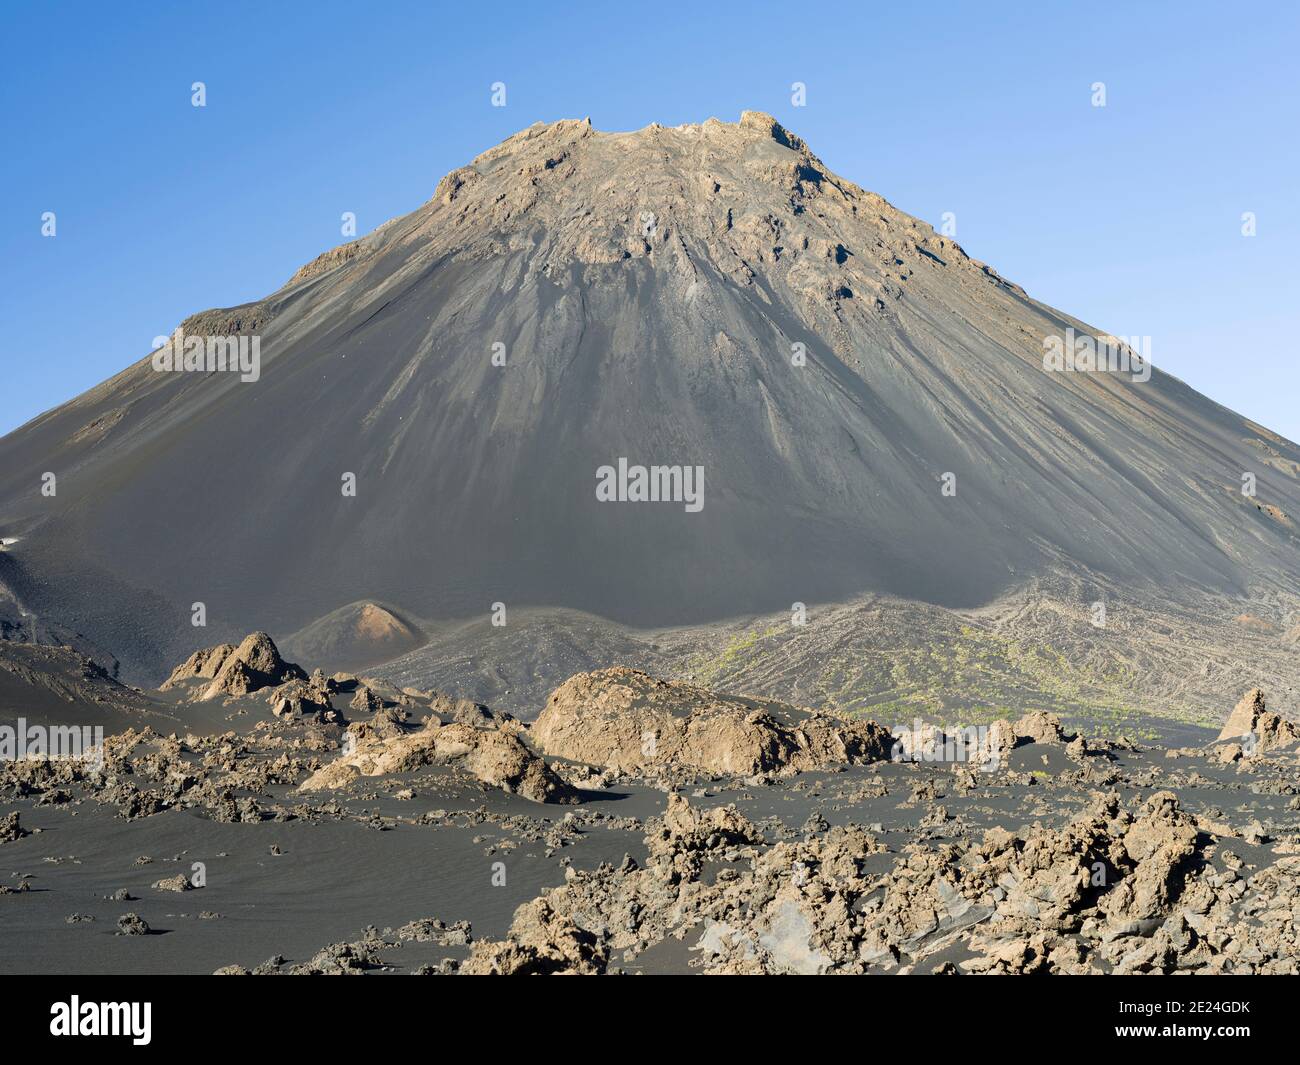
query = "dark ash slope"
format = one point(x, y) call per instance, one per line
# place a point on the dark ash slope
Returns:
point(666, 340)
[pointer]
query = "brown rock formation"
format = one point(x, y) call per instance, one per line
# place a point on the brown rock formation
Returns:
point(1251, 718)
point(254, 664)
point(627, 720)
point(496, 758)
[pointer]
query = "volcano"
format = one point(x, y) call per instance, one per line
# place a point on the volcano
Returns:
point(806, 395)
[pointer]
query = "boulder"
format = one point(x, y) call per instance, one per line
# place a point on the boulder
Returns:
point(499, 759)
point(10, 829)
point(304, 698)
point(540, 942)
point(626, 720)
point(1038, 726)
point(366, 700)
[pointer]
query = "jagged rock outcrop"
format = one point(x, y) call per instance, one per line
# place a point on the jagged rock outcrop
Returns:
point(365, 700)
point(1252, 722)
point(203, 663)
point(984, 747)
point(144, 773)
point(10, 829)
point(305, 698)
point(1112, 890)
point(627, 720)
point(1038, 726)
point(254, 664)
point(448, 708)
point(497, 758)
point(541, 943)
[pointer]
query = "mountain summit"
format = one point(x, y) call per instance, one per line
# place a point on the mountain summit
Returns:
point(700, 311)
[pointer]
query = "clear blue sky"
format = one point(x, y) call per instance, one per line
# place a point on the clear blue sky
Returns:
point(1127, 216)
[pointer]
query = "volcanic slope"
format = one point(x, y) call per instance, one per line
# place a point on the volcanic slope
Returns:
point(651, 293)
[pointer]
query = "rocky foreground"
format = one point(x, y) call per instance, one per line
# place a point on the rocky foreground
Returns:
point(637, 825)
